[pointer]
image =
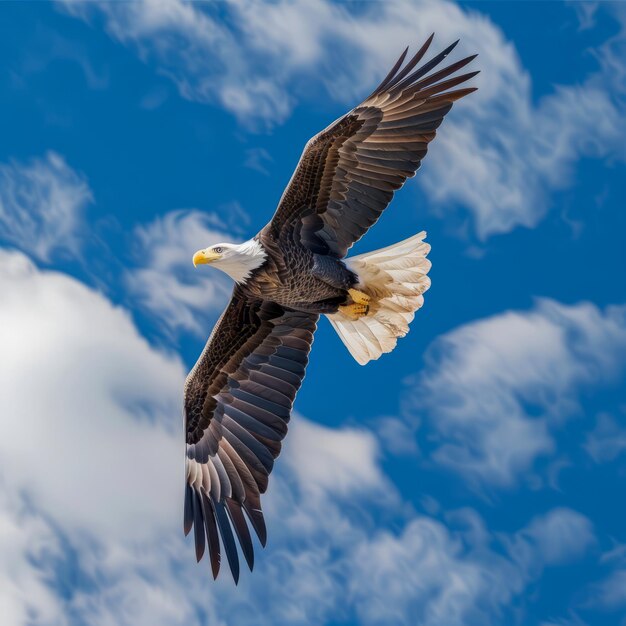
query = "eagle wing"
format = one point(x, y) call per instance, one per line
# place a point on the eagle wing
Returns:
point(348, 173)
point(238, 400)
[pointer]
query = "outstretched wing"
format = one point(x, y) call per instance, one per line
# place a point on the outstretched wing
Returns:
point(238, 400)
point(348, 173)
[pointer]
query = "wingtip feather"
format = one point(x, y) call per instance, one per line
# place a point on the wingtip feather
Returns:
point(198, 527)
point(228, 540)
point(188, 510)
point(241, 529)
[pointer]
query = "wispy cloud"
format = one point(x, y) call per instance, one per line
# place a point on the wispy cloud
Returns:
point(607, 440)
point(28, 547)
point(612, 53)
point(505, 177)
point(502, 152)
point(585, 13)
point(42, 205)
point(609, 594)
point(441, 577)
point(47, 45)
point(211, 65)
point(494, 389)
point(560, 537)
point(258, 159)
point(163, 280)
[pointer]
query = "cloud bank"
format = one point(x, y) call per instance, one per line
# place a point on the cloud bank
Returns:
point(91, 459)
point(494, 390)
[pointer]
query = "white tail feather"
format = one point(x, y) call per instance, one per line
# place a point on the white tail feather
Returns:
point(395, 279)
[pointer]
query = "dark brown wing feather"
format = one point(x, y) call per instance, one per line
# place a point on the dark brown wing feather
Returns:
point(348, 173)
point(238, 400)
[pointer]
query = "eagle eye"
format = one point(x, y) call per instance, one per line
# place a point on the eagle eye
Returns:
point(218, 250)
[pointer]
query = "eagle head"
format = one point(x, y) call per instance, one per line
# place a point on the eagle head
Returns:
point(236, 260)
point(214, 254)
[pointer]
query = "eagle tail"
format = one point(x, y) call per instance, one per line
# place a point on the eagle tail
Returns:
point(395, 279)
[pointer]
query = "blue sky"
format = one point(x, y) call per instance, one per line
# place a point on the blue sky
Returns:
point(473, 476)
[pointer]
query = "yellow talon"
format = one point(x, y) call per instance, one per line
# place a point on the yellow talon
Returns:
point(354, 311)
point(358, 297)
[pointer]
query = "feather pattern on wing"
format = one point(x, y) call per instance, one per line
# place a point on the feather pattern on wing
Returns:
point(348, 173)
point(238, 401)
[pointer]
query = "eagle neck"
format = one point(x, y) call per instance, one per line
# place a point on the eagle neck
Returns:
point(251, 255)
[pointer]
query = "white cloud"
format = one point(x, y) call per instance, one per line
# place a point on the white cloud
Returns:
point(42, 202)
point(334, 462)
point(607, 440)
point(585, 13)
point(505, 175)
point(610, 594)
point(426, 573)
point(88, 398)
point(572, 619)
point(164, 282)
point(26, 544)
point(47, 45)
point(195, 49)
point(493, 389)
point(501, 152)
point(90, 440)
point(396, 435)
point(560, 537)
point(612, 53)
point(257, 159)
point(443, 578)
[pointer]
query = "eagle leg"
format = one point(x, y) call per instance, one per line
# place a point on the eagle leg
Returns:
point(354, 311)
point(358, 297)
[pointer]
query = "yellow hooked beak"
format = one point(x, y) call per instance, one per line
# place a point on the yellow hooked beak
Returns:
point(205, 256)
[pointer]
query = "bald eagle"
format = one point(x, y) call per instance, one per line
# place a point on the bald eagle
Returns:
point(238, 396)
